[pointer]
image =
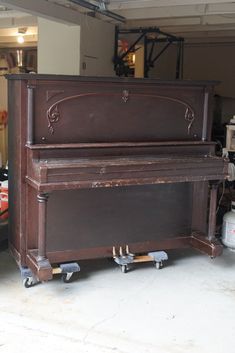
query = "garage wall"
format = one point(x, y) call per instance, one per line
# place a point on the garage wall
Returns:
point(215, 61)
point(58, 48)
point(97, 47)
point(164, 67)
point(202, 62)
point(73, 50)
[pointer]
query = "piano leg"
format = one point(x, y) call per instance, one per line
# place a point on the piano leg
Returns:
point(42, 214)
point(209, 245)
point(41, 264)
point(212, 211)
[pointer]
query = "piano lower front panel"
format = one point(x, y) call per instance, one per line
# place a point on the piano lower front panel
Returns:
point(107, 217)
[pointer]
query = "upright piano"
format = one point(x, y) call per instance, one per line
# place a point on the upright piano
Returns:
point(99, 164)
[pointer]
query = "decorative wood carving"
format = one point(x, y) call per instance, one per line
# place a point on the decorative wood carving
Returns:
point(125, 96)
point(52, 93)
point(53, 113)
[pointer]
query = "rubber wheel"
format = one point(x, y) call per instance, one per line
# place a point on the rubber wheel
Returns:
point(27, 282)
point(65, 279)
point(124, 268)
point(158, 265)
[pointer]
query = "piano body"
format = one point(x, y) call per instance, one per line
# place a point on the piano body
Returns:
point(102, 163)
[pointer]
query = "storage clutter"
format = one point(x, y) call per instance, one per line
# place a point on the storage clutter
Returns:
point(3, 194)
point(3, 138)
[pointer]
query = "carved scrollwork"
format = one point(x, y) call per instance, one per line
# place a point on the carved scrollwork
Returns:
point(189, 116)
point(125, 95)
point(53, 116)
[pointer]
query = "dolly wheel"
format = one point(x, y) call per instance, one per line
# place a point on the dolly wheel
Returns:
point(158, 265)
point(66, 277)
point(28, 282)
point(124, 268)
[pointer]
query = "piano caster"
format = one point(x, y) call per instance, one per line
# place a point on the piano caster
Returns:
point(66, 277)
point(158, 257)
point(29, 282)
point(124, 268)
point(123, 259)
point(29, 279)
point(158, 265)
point(67, 270)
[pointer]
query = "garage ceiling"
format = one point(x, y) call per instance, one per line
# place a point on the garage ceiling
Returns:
point(189, 18)
point(180, 16)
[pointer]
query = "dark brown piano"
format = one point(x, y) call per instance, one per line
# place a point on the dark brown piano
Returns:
point(99, 164)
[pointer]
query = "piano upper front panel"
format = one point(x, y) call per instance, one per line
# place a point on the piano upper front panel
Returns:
point(102, 112)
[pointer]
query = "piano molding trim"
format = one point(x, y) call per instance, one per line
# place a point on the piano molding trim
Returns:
point(50, 94)
point(53, 113)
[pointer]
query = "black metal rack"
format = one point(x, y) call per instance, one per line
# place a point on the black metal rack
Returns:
point(120, 66)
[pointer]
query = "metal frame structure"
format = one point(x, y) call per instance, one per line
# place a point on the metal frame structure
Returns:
point(100, 8)
point(120, 66)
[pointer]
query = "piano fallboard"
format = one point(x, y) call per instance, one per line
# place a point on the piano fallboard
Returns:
point(62, 174)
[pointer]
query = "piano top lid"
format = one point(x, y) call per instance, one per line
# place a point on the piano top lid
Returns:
point(121, 80)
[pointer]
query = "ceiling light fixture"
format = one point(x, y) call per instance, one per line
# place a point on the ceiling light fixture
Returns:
point(20, 39)
point(20, 34)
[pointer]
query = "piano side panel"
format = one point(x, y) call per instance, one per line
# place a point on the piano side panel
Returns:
point(17, 168)
point(85, 219)
point(103, 112)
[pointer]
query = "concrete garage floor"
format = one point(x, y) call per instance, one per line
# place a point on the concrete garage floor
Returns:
point(188, 306)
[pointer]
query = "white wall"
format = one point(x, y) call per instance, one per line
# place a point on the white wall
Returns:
point(97, 47)
point(58, 48)
point(86, 49)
